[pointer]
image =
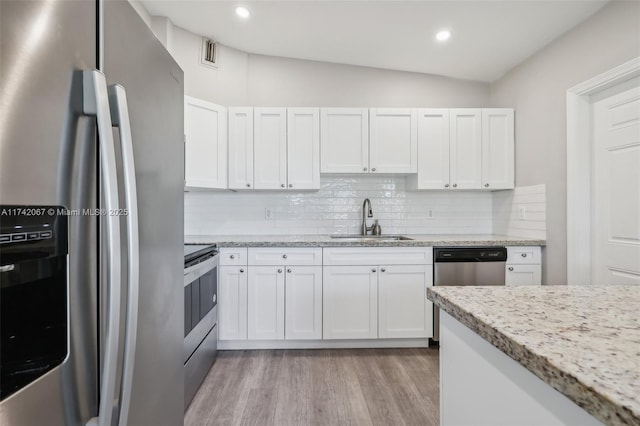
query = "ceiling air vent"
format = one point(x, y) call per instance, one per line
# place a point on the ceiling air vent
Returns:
point(209, 55)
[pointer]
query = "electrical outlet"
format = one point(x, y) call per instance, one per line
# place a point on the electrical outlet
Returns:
point(268, 214)
point(522, 213)
point(429, 213)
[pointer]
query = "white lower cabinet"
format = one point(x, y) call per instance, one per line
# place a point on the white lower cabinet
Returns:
point(303, 303)
point(265, 303)
point(350, 302)
point(523, 275)
point(232, 302)
point(403, 308)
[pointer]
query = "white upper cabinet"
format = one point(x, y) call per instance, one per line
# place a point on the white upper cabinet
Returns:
point(433, 150)
point(497, 148)
point(344, 140)
point(205, 128)
point(393, 140)
point(240, 148)
point(465, 148)
point(270, 148)
point(303, 148)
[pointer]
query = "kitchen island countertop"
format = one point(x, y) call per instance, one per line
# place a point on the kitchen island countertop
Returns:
point(326, 241)
point(584, 341)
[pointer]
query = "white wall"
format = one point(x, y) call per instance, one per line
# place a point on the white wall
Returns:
point(337, 208)
point(537, 90)
point(506, 212)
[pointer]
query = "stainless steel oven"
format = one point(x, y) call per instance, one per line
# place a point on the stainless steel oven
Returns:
point(200, 315)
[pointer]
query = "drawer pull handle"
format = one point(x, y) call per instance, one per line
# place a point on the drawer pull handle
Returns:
point(248, 185)
point(279, 271)
point(383, 270)
point(241, 271)
point(373, 270)
point(289, 270)
point(510, 268)
point(455, 185)
point(284, 256)
point(446, 185)
point(233, 256)
point(524, 254)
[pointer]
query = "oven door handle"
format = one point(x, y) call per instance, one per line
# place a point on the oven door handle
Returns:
point(95, 102)
point(120, 119)
point(196, 271)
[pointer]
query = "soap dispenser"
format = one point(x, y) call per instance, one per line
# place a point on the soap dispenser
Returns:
point(377, 230)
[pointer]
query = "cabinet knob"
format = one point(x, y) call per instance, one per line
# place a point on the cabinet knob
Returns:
point(383, 270)
point(289, 270)
point(282, 185)
point(510, 268)
point(446, 185)
point(284, 256)
point(373, 170)
point(365, 169)
point(241, 271)
point(290, 185)
point(279, 271)
point(455, 185)
point(524, 255)
point(486, 185)
point(248, 185)
point(373, 270)
point(233, 256)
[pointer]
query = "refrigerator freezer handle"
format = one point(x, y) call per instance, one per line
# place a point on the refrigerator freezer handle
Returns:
point(120, 119)
point(95, 102)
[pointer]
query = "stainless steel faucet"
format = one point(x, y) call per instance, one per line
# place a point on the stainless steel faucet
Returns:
point(365, 214)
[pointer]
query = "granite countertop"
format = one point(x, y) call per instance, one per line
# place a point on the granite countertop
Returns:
point(327, 241)
point(583, 341)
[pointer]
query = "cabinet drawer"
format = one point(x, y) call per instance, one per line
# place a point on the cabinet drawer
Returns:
point(524, 255)
point(347, 256)
point(233, 256)
point(523, 275)
point(285, 256)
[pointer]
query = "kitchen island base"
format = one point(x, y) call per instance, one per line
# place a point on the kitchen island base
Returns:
point(480, 385)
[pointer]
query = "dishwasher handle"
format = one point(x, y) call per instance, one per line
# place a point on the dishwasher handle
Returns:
point(470, 254)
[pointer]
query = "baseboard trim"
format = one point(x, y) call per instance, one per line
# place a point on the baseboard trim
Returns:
point(321, 344)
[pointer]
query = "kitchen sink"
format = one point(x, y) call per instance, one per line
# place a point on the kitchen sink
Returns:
point(356, 237)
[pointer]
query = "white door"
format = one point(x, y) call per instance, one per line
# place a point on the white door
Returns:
point(497, 148)
point(465, 148)
point(616, 178)
point(433, 150)
point(393, 140)
point(344, 140)
point(303, 303)
point(303, 148)
point(523, 275)
point(205, 156)
point(270, 148)
point(265, 303)
point(232, 302)
point(240, 148)
point(350, 302)
point(404, 311)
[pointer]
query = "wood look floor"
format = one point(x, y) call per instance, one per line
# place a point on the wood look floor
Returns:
point(319, 387)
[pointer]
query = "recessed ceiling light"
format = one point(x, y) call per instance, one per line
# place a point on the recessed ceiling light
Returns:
point(443, 35)
point(242, 12)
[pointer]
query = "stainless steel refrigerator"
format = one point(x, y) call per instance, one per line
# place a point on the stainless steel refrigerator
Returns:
point(97, 157)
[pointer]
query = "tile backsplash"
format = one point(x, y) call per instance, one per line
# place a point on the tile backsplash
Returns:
point(337, 208)
point(521, 212)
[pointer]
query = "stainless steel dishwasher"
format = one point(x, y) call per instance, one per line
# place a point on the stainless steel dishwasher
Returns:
point(466, 266)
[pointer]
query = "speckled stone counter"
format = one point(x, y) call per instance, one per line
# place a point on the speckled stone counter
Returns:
point(327, 241)
point(582, 341)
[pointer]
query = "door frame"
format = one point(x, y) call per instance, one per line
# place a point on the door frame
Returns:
point(579, 167)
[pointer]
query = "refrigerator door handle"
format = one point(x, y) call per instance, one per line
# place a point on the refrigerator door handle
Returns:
point(120, 119)
point(95, 102)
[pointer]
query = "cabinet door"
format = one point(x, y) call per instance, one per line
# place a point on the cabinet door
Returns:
point(404, 311)
point(205, 128)
point(350, 302)
point(270, 148)
point(497, 148)
point(344, 140)
point(523, 275)
point(240, 148)
point(465, 148)
point(303, 302)
point(266, 303)
point(393, 140)
point(303, 148)
point(433, 150)
point(232, 302)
